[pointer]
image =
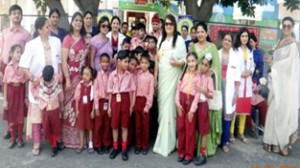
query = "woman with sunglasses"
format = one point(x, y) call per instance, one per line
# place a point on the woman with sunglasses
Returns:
point(171, 59)
point(100, 44)
point(282, 116)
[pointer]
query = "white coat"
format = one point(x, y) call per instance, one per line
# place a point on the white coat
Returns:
point(245, 83)
point(121, 37)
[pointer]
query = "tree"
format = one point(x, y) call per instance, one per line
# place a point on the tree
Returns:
point(204, 11)
point(83, 6)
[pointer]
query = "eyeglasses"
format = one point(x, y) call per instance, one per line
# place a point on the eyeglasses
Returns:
point(169, 24)
point(105, 26)
point(286, 26)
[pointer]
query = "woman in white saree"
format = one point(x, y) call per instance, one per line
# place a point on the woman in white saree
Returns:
point(282, 116)
point(171, 57)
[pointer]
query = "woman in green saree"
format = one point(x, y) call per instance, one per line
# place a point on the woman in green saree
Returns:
point(203, 47)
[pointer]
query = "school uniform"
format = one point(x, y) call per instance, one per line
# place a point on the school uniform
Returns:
point(49, 98)
point(135, 42)
point(131, 126)
point(203, 110)
point(101, 131)
point(15, 80)
point(187, 97)
point(120, 87)
point(143, 103)
point(84, 94)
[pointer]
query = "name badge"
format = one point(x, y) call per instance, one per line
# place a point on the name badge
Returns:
point(118, 98)
point(49, 106)
point(202, 96)
point(84, 99)
point(105, 106)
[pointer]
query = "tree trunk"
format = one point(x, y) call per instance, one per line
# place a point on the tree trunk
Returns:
point(91, 5)
point(202, 13)
point(64, 22)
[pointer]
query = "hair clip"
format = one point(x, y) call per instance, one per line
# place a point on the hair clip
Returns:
point(208, 56)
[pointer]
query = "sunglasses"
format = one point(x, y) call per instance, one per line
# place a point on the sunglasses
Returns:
point(105, 26)
point(287, 26)
point(169, 24)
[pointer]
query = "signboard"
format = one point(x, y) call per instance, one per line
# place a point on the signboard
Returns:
point(186, 20)
point(105, 12)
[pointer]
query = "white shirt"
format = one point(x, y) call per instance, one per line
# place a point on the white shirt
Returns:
point(121, 37)
point(33, 58)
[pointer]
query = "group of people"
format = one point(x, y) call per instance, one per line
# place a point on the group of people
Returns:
point(98, 88)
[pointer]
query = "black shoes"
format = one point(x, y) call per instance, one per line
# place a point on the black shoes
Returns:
point(106, 150)
point(21, 144)
point(100, 150)
point(54, 152)
point(145, 151)
point(11, 144)
point(113, 153)
point(186, 162)
point(6, 135)
point(138, 150)
point(200, 161)
point(60, 146)
point(124, 156)
point(180, 159)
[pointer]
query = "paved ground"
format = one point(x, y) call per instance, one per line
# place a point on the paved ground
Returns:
point(240, 156)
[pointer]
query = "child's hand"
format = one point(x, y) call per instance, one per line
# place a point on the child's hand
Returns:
point(210, 73)
point(62, 109)
point(202, 90)
point(190, 116)
point(97, 113)
point(146, 111)
point(131, 110)
point(36, 82)
point(5, 105)
point(92, 115)
point(180, 110)
point(26, 102)
point(246, 74)
point(109, 112)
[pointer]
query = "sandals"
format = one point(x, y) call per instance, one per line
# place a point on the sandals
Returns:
point(36, 151)
point(79, 150)
point(267, 148)
point(231, 139)
point(225, 149)
point(243, 139)
point(91, 150)
point(285, 151)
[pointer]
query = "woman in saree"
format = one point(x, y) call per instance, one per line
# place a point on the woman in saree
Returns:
point(282, 116)
point(230, 87)
point(203, 47)
point(171, 59)
point(74, 52)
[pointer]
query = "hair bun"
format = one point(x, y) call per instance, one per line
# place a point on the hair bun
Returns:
point(208, 56)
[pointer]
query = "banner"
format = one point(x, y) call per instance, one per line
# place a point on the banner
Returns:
point(186, 20)
point(105, 12)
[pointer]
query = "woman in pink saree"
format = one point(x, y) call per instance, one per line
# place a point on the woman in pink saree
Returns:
point(74, 52)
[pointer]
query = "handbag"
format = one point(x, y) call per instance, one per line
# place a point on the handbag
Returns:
point(216, 102)
point(243, 104)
